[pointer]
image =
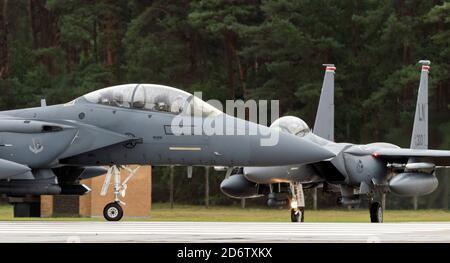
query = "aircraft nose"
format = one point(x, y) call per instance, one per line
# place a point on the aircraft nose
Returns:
point(288, 149)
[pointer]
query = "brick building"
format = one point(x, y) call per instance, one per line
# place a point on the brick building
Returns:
point(137, 198)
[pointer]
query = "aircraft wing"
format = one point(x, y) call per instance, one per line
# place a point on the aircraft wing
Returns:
point(400, 153)
point(335, 148)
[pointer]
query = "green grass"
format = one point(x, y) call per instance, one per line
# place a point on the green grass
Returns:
point(162, 212)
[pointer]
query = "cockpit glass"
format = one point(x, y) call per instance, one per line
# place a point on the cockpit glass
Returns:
point(160, 98)
point(292, 125)
point(199, 108)
point(119, 96)
point(153, 98)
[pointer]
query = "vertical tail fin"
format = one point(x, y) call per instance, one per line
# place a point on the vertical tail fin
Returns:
point(324, 124)
point(419, 139)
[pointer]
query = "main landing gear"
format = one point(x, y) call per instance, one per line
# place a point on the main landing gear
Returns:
point(113, 211)
point(297, 202)
point(376, 212)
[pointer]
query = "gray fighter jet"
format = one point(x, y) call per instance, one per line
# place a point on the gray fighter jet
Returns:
point(47, 150)
point(358, 172)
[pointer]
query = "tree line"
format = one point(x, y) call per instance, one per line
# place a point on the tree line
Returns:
point(236, 49)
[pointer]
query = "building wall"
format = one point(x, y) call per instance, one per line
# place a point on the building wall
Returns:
point(46, 205)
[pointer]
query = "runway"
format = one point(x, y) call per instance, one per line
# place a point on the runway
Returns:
point(187, 232)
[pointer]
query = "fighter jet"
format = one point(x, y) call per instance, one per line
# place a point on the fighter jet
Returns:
point(47, 150)
point(359, 172)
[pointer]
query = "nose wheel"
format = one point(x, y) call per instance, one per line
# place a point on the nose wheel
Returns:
point(113, 211)
point(297, 215)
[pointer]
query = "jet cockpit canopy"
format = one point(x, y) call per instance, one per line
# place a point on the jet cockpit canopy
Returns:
point(152, 97)
point(292, 125)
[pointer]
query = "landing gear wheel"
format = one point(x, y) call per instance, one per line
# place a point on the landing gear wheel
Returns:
point(303, 214)
point(376, 213)
point(113, 211)
point(297, 215)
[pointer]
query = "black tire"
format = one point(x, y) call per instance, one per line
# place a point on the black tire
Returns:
point(376, 213)
point(113, 211)
point(302, 210)
point(297, 215)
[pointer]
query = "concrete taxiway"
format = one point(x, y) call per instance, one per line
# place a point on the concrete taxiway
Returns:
point(39, 231)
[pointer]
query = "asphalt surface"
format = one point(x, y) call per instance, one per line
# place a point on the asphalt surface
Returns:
point(40, 231)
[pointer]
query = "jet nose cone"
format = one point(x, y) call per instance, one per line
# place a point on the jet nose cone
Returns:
point(289, 149)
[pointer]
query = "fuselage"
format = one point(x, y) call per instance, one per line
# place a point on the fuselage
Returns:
point(352, 165)
point(153, 140)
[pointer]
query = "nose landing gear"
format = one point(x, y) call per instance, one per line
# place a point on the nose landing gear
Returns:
point(114, 211)
point(298, 215)
point(297, 202)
